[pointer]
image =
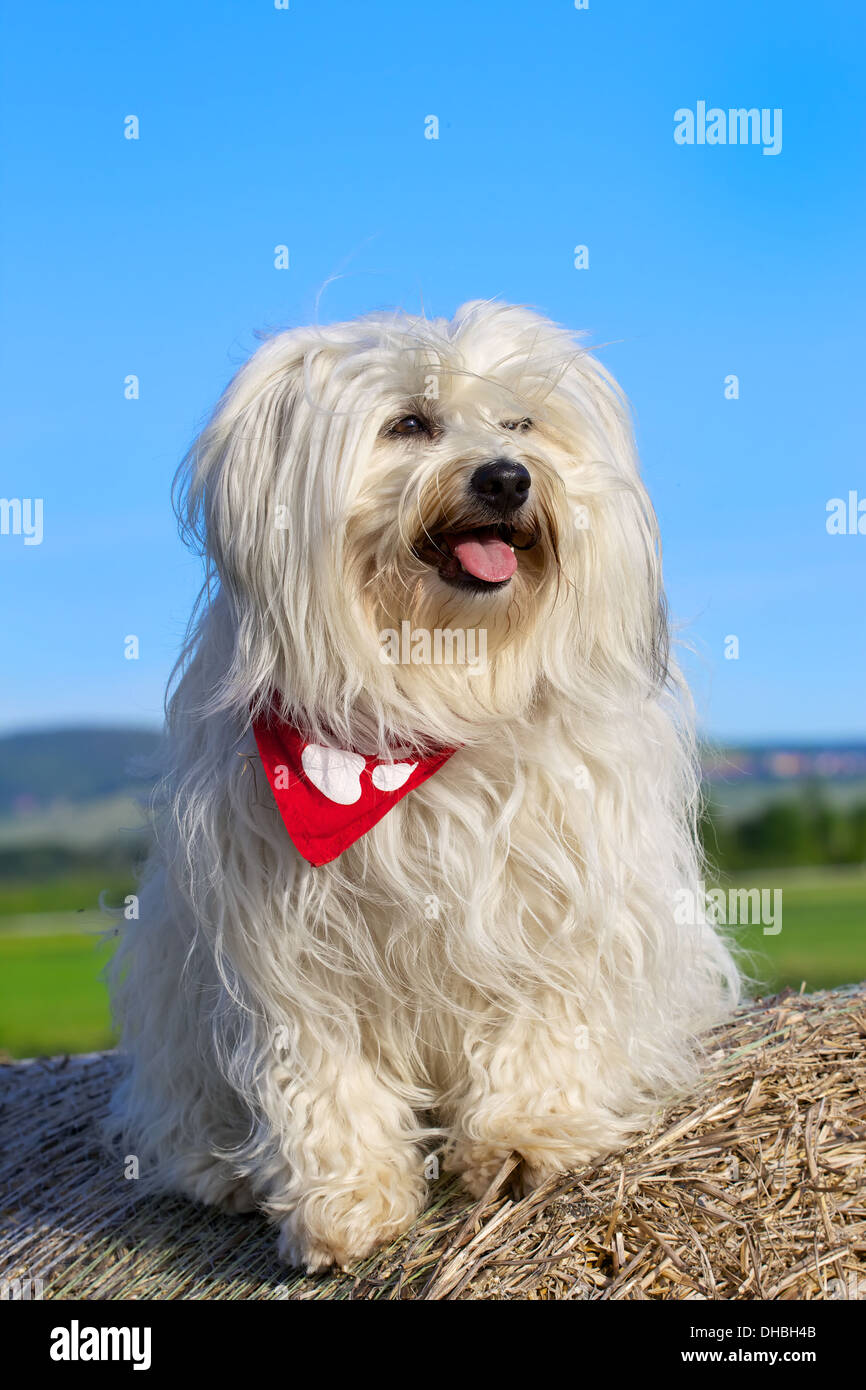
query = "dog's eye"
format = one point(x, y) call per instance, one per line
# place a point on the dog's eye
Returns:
point(411, 424)
point(524, 424)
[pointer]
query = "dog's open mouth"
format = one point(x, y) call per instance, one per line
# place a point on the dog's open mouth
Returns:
point(479, 558)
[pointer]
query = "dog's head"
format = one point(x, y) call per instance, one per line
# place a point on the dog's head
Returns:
point(422, 527)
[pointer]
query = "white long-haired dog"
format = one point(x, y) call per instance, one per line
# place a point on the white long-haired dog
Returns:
point(482, 956)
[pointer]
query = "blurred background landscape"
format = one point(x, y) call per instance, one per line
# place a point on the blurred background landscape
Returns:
point(790, 818)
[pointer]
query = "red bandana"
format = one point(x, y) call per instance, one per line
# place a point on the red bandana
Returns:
point(329, 797)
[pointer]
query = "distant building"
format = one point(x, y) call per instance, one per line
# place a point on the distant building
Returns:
point(780, 764)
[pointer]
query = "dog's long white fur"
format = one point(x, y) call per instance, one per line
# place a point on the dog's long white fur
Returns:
point(495, 965)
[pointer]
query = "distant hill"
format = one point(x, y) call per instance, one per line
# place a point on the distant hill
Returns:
point(40, 768)
point(44, 771)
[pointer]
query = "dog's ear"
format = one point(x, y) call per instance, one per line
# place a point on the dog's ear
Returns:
point(261, 496)
point(232, 471)
point(238, 495)
point(615, 550)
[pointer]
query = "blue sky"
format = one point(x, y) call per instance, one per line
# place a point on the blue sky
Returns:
point(306, 127)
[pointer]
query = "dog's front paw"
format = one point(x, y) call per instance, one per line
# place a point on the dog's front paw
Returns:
point(210, 1180)
point(478, 1163)
point(339, 1228)
point(297, 1249)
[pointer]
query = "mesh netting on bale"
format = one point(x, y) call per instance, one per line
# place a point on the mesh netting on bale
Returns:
point(754, 1188)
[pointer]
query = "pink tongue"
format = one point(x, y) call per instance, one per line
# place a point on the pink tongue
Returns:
point(485, 556)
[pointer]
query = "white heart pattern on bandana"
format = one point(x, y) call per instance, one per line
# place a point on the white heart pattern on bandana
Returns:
point(336, 773)
point(390, 777)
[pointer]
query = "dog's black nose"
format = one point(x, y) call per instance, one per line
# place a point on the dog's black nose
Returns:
point(503, 484)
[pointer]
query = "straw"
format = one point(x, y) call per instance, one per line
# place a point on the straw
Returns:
point(753, 1187)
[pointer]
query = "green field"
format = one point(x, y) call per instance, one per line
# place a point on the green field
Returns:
point(823, 936)
point(52, 1000)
